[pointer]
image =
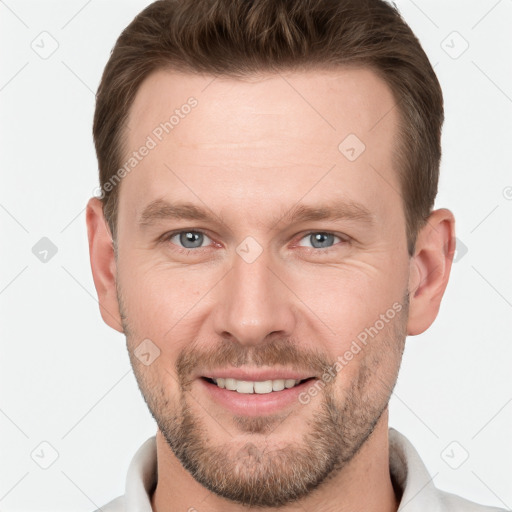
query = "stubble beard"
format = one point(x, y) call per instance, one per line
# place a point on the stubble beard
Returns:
point(262, 472)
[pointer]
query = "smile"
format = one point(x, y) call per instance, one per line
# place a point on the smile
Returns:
point(258, 387)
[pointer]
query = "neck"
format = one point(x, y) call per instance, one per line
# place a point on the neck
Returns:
point(363, 484)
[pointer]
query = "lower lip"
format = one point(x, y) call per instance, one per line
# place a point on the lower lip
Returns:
point(254, 404)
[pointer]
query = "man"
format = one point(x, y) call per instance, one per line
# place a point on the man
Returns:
point(265, 238)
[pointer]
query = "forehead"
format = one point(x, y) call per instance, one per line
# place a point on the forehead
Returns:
point(280, 129)
point(334, 100)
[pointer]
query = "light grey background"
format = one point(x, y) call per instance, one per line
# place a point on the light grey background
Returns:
point(65, 377)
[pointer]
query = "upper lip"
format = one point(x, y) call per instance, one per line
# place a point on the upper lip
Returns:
point(256, 375)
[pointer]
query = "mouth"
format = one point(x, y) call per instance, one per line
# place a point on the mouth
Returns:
point(253, 398)
point(255, 387)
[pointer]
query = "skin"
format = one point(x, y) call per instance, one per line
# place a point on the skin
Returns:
point(250, 151)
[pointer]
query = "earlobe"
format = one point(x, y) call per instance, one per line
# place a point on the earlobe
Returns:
point(103, 264)
point(430, 269)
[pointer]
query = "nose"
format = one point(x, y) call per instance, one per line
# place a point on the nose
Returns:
point(254, 302)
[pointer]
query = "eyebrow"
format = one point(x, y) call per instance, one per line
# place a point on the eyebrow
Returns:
point(347, 210)
point(161, 209)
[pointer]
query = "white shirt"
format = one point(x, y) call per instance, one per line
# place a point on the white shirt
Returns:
point(406, 468)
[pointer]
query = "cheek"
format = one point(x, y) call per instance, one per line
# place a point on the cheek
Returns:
point(165, 305)
point(369, 362)
point(349, 298)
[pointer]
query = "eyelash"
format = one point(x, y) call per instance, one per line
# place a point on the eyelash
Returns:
point(344, 239)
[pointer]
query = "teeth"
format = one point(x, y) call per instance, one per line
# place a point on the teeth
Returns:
point(263, 387)
point(278, 385)
point(230, 384)
point(259, 387)
point(244, 386)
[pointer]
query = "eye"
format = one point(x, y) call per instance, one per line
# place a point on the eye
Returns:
point(320, 240)
point(188, 239)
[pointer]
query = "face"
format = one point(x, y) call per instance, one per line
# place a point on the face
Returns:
point(262, 257)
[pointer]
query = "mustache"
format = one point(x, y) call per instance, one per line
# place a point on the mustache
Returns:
point(282, 352)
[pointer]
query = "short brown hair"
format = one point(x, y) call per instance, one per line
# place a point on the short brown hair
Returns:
point(243, 37)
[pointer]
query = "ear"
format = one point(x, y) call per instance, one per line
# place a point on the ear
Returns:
point(430, 269)
point(103, 264)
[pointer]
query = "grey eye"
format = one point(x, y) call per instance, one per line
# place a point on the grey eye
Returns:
point(320, 240)
point(190, 239)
